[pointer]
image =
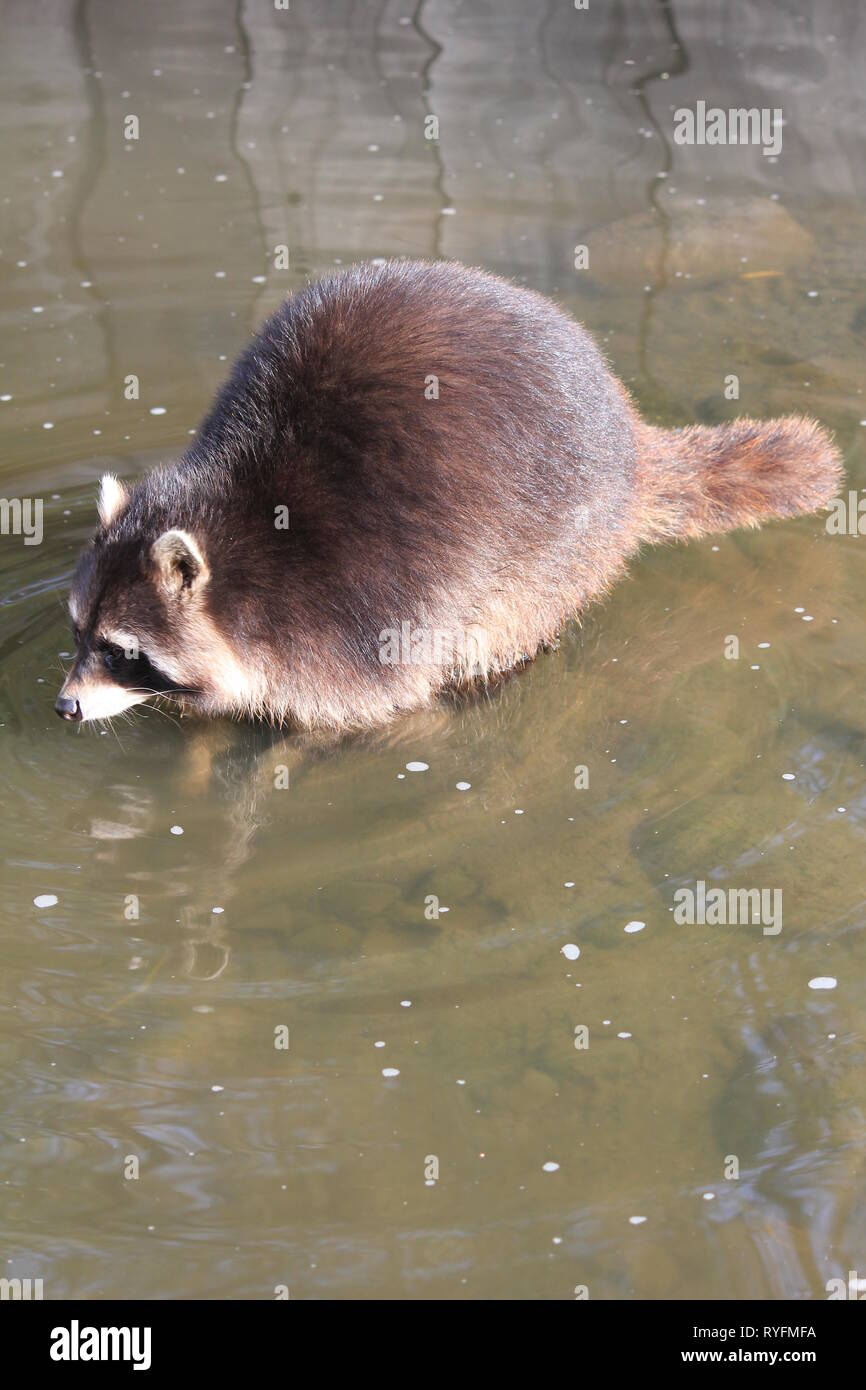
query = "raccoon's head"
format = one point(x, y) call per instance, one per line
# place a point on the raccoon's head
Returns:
point(138, 606)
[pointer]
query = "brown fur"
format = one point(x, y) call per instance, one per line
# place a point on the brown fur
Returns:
point(704, 479)
point(498, 509)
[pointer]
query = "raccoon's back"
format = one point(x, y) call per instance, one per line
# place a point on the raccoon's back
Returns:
point(414, 401)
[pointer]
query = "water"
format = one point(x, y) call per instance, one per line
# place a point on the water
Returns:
point(140, 1023)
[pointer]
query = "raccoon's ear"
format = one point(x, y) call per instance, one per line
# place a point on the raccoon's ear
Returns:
point(112, 499)
point(179, 563)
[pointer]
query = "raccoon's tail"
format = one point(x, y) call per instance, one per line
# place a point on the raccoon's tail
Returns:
point(714, 478)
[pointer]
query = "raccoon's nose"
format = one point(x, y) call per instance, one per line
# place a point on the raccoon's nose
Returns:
point(66, 708)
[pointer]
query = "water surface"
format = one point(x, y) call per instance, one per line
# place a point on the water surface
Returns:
point(139, 1013)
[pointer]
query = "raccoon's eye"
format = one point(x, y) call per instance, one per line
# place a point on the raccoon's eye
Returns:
point(112, 657)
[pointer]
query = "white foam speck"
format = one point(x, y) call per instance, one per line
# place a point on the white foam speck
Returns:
point(463, 786)
point(763, 645)
point(709, 1196)
point(157, 410)
point(217, 1088)
point(623, 1035)
point(634, 926)
point(45, 900)
point(378, 1044)
point(823, 982)
point(217, 911)
point(550, 1167)
point(417, 767)
point(405, 1003)
point(570, 951)
point(390, 1071)
point(636, 1220)
point(789, 776)
point(177, 830)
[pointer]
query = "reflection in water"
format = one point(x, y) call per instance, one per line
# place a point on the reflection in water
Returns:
point(413, 922)
point(676, 62)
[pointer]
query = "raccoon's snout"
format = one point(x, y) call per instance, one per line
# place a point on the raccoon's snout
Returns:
point(67, 708)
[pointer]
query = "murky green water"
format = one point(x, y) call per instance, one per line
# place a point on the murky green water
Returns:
point(139, 1021)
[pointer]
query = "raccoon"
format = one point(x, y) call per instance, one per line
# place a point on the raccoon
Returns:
point(415, 474)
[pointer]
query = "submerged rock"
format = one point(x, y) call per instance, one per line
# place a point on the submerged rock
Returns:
point(706, 242)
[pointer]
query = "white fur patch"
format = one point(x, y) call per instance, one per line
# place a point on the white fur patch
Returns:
point(112, 499)
point(102, 700)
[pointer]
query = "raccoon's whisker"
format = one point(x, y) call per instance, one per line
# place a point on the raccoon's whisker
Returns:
point(166, 714)
point(109, 723)
point(165, 694)
point(160, 696)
